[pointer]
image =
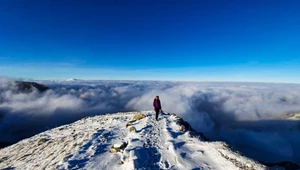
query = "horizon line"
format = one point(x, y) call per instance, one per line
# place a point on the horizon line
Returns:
point(147, 80)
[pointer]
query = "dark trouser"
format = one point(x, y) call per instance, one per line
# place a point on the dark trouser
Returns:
point(156, 113)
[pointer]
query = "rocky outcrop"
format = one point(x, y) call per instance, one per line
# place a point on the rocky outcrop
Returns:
point(118, 147)
point(27, 87)
point(185, 126)
point(138, 116)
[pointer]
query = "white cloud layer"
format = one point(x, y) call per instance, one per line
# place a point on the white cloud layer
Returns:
point(248, 116)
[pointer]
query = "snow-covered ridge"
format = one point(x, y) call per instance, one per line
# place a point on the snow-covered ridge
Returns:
point(151, 144)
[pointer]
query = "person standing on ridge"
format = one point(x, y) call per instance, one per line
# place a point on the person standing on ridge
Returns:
point(157, 106)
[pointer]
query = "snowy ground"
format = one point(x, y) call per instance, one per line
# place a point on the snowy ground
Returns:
point(155, 144)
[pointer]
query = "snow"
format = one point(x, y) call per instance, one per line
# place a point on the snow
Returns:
point(85, 144)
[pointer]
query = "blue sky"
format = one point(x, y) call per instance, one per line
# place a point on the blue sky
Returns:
point(198, 40)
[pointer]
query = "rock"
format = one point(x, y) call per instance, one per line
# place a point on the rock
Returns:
point(132, 129)
point(27, 87)
point(182, 128)
point(185, 126)
point(138, 116)
point(128, 124)
point(113, 150)
point(169, 114)
point(41, 141)
point(131, 121)
point(62, 128)
point(103, 139)
point(118, 147)
point(203, 136)
point(178, 118)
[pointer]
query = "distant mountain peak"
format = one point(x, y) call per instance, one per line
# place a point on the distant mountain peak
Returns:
point(27, 87)
point(73, 79)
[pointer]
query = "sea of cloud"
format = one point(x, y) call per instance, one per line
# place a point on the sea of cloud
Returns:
point(248, 116)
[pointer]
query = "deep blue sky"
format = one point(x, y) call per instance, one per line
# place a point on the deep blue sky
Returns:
point(206, 40)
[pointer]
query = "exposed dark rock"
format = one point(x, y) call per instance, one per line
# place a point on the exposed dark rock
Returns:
point(185, 126)
point(27, 87)
point(128, 124)
point(237, 163)
point(42, 140)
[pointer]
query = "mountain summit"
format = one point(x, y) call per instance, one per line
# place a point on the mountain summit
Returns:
point(133, 140)
point(73, 79)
